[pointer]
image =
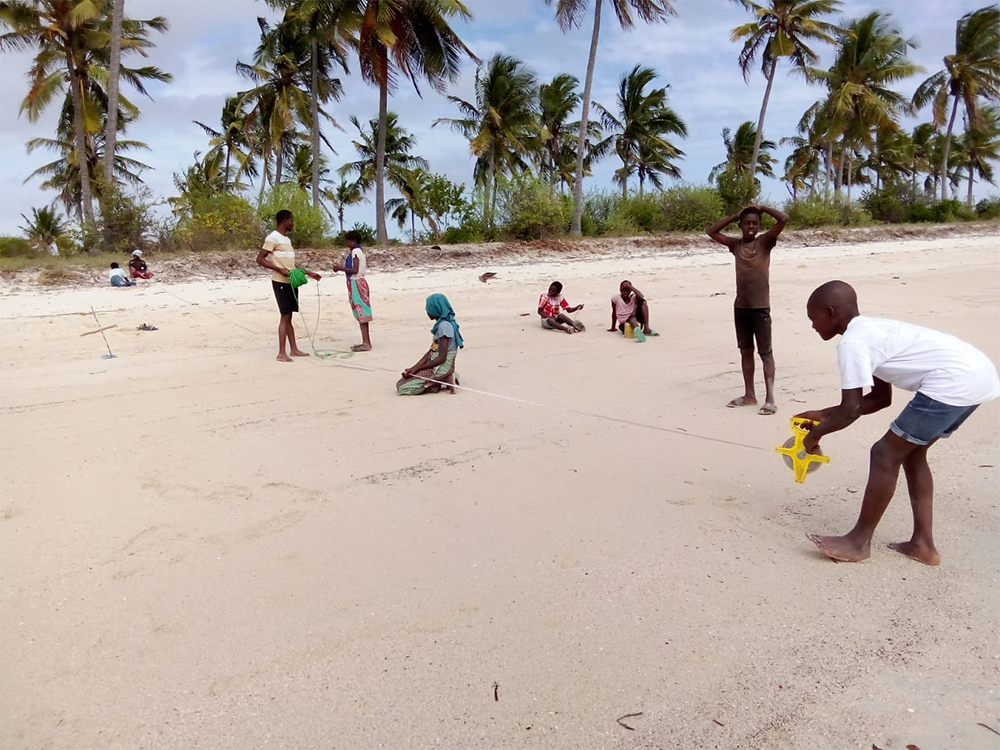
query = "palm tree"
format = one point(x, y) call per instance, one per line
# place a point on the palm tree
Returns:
point(114, 71)
point(44, 228)
point(345, 194)
point(782, 29)
point(570, 13)
point(980, 146)
point(740, 150)
point(556, 102)
point(640, 129)
point(921, 143)
point(397, 145)
point(972, 72)
point(502, 125)
point(411, 204)
point(230, 141)
point(860, 103)
point(409, 39)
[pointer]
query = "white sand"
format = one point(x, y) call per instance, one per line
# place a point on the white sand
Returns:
point(204, 548)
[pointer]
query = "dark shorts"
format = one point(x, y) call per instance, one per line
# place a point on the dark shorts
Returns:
point(924, 419)
point(751, 323)
point(640, 315)
point(288, 302)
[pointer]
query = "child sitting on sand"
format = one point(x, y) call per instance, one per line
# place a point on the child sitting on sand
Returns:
point(552, 309)
point(117, 276)
point(438, 364)
point(630, 307)
point(356, 266)
point(951, 378)
point(137, 267)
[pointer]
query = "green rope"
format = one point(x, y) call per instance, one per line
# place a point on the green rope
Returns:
point(297, 277)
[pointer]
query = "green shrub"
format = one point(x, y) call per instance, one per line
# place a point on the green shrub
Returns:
point(217, 221)
point(988, 208)
point(310, 222)
point(128, 220)
point(533, 211)
point(367, 235)
point(737, 190)
point(17, 247)
point(688, 208)
point(598, 208)
point(891, 204)
point(815, 211)
point(643, 213)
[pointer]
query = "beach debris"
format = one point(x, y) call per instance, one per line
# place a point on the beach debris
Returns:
point(435, 247)
point(627, 716)
point(147, 327)
point(912, 747)
point(986, 726)
point(524, 315)
point(718, 722)
point(98, 330)
point(487, 276)
point(496, 694)
point(875, 747)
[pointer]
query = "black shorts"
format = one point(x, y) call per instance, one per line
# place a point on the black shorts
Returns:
point(751, 323)
point(288, 301)
point(640, 315)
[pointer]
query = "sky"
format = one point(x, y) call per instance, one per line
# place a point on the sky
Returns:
point(691, 53)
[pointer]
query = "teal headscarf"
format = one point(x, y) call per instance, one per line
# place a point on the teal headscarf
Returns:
point(439, 308)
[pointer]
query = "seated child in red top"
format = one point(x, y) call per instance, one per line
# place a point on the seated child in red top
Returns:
point(552, 309)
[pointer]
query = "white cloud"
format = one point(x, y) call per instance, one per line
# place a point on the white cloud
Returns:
point(692, 53)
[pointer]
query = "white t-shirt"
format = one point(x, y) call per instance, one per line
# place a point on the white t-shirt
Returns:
point(914, 358)
point(282, 254)
point(357, 252)
point(116, 272)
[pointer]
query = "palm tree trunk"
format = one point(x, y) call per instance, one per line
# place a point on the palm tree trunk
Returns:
point(850, 172)
point(488, 191)
point(383, 108)
point(225, 177)
point(340, 217)
point(279, 165)
point(840, 174)
point(828, 162)
point(314, 116)
point(760, 120)
point(413, 226)
point(576, 228)
point(86, 193)
point(640, 183)
point(972, 179)
point(947, 149)
point(111, 131)
point(265, 168)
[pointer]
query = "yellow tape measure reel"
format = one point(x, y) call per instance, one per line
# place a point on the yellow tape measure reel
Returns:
point(794, 454)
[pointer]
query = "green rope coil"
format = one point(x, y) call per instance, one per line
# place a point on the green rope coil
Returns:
point(297, 277)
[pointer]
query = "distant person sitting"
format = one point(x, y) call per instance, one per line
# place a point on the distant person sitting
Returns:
point(137, 266)
point(552, 309)
point(118, 277)
point(629, 308)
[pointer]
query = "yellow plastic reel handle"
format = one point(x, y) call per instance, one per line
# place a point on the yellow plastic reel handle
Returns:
point(802, 462)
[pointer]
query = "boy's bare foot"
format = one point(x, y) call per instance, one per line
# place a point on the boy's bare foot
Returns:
point(298, 353)
point(361, 348)
point(283, 358)
point(841, 548)
point(919, 552)
point(742, 401)
point(570, 330)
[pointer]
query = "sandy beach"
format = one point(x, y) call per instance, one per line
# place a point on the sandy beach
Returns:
point(203, 548)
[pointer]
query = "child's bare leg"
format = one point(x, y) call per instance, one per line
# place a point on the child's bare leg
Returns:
point(366, 341)
point(558, 323)
point(887, 455)
point(920, 484)
point(284, 323)
point(292, 346)
point(644, 309)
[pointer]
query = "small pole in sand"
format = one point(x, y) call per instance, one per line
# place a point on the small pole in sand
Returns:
point(110, 354)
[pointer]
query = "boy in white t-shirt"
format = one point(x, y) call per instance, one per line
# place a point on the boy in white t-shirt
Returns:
point(278, 255)
point(951, 379)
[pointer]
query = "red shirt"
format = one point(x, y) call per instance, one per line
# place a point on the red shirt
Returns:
point(552, 306)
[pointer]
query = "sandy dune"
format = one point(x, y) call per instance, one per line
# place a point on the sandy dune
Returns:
point(201, 547)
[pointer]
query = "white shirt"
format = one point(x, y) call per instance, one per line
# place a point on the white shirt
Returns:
point(914, 358)
point(282, 254)
point(116, 272)
point(359, 254)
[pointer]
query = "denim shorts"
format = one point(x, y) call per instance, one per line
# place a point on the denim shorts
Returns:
point(924, 420)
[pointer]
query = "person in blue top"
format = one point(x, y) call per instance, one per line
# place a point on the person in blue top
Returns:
point(436, 369)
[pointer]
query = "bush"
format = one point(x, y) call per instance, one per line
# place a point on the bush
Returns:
point(367, 235)
point(533, 211)
point(814, 211)
point(988, 208)
point(643, 213)
point(127, 221)
point(310, 222)
point(17, 247)
point(737, 190)
point(598, 209)
point(217, 221)
point(892, 204)
point(688, 208)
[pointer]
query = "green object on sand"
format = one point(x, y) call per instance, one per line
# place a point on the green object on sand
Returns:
point(297, 277)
